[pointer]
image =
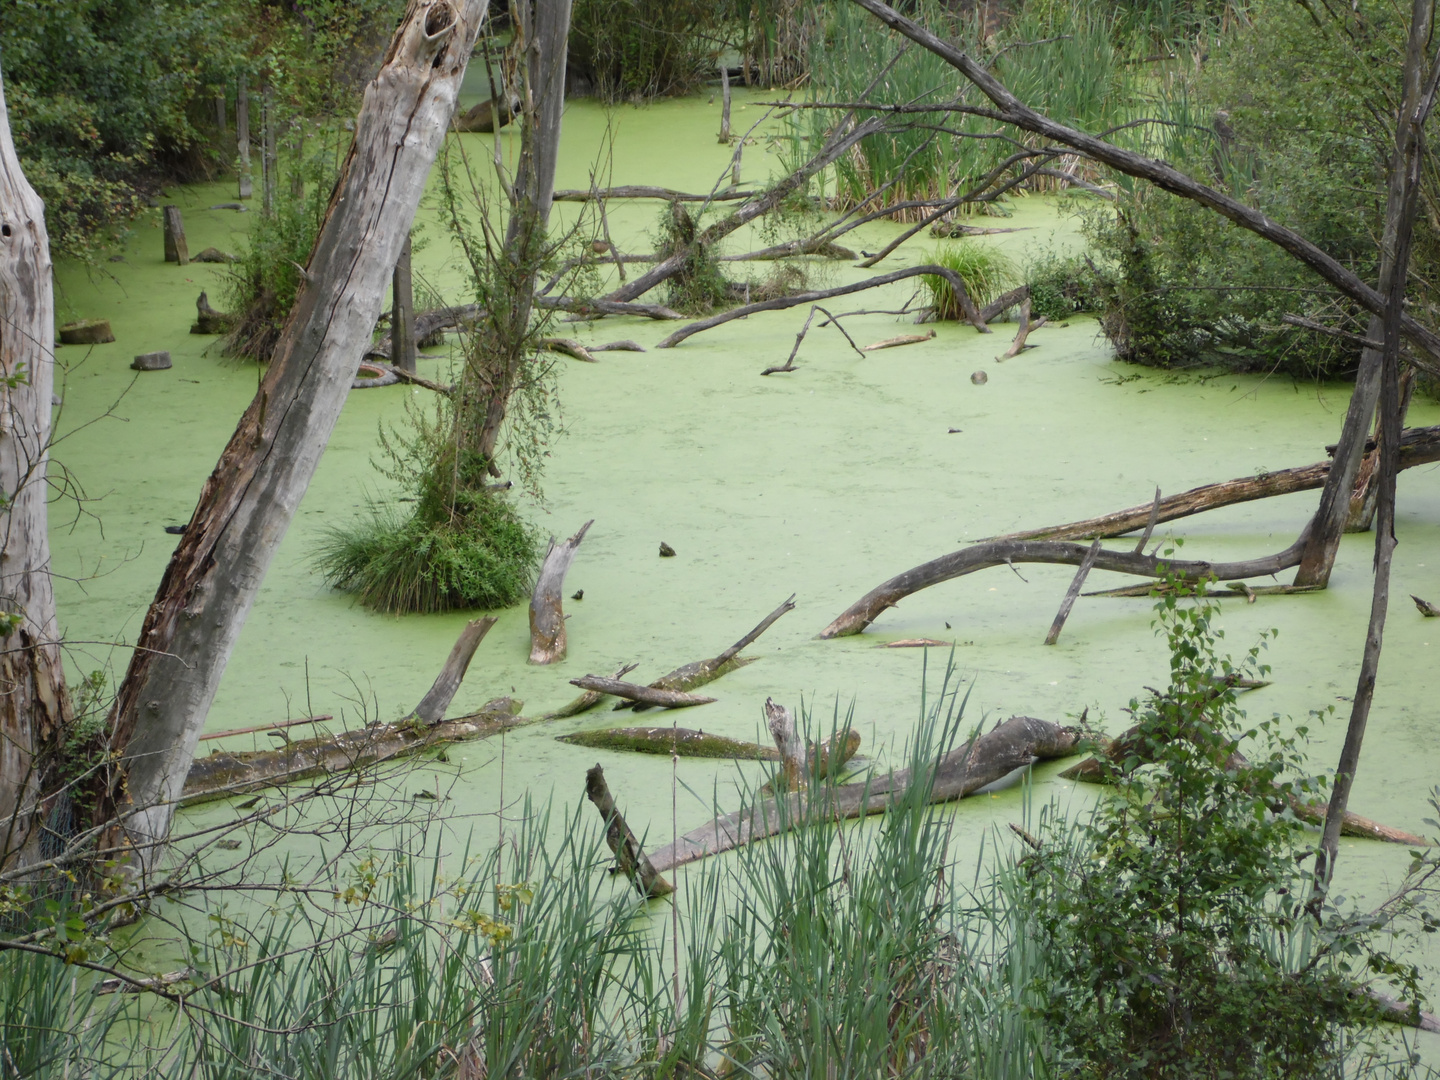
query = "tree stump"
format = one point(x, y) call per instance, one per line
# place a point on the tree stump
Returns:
point(176, 250)
point(208, 320)
point(152, 361)
point(86, 332)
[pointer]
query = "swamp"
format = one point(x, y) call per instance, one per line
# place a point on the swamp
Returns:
point(749, 374)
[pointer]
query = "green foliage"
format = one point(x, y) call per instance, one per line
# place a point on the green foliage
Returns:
point(634, 50)
point(261, 288)
point(460, 546)
point(985, 272)
point(1174, 921)
point(700, 286)
point(109, 99)
point(1288, 115)
point(1061, 286)
point(1059, 59)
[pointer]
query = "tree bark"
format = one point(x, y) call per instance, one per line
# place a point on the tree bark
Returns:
point(627, 850)
point(176, 249)
point(35, 710)
point(867, 609)
point(250, 498)
point(547, 612)
point(1018, 742)
point(1418, 446)
point(402, 313)
point(242, 137)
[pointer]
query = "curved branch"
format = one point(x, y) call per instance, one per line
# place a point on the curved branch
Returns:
point(867, 609)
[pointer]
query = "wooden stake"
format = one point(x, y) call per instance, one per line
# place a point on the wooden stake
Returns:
point(1070, 595)
point(402, 314)
point(176, 250)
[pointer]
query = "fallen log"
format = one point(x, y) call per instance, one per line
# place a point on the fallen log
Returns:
point(792, 248)
point(867, 609)
point(1130, 744)
point(780, 303)
point(1418, 446)
point(223, 774)
point(586, 701)
point(694, 675)
point(547, 615)
point(1004, 302)
point(641, 191)
point(1018, 742)
point(665, 699)
point(593, 307)
point(569, 347)
point(1425, 607)
point(480, 118)
point(1233, 589)
point(687, 742)
point(619, 346)
point(629, 855)
point(281, 725)
point(902, 339)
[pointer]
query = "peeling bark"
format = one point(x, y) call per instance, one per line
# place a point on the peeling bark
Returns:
point(547, 614)
point(250, 498)
point(35, 710)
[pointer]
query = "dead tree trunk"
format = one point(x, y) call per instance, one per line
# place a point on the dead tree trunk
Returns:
point(269, 161)
point(402, 313)
point(629, 855)
point(176, 249)
point(242, 137)
point(248, 501)
point(793, 762)
point(542, 34)
point(34, 706)
point(547, 613)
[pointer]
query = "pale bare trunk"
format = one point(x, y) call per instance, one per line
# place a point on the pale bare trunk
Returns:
point(34, 707)
point(250, 498)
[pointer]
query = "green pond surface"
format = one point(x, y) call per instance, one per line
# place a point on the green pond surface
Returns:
point(822, 482)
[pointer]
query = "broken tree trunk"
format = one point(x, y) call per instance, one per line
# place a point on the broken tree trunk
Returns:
point(867, 609)
point(402, 313)
point(724, 104)
point(547, 614)
point(780, 303)
point(1018, 345)
point(176, 249)
point(665, 699)
point(431, 709)
point(35, 711)
point(242, 137)
point(789, 744)
point(1418, 446)
point(1015, 744)
point(629, 855)
point(698, 673)
point(248, 501)
point(588, 700)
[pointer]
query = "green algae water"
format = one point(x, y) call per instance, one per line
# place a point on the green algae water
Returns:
point(821, 482)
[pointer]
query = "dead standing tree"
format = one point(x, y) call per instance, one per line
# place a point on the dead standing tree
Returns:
point(248, 501)
point(34, 706)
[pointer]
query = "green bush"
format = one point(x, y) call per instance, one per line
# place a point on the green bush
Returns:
point(1061, 286)
point(1175, 919)
point(1285, 115)
point(640, 49)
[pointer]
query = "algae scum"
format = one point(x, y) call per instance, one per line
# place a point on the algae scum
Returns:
point(822, 482)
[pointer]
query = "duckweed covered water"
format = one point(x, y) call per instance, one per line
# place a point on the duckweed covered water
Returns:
point(822, 482)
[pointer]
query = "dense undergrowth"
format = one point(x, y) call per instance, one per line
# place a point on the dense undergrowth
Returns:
point(1164, 934)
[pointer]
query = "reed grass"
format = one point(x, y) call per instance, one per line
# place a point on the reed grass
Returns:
point(985, 272)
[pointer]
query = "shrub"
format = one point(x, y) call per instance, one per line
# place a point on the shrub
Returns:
point(1061, 286)
point(640, 49)
point(1175, 920)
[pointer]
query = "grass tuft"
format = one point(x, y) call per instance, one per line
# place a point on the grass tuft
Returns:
point(985, 272)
